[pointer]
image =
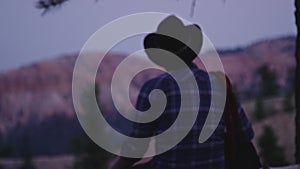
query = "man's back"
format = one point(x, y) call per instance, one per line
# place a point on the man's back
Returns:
point(189, 153)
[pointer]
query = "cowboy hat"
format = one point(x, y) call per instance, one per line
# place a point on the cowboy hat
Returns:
point(174, 39)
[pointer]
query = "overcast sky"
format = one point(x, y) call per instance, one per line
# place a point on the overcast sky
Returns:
point(26, 36)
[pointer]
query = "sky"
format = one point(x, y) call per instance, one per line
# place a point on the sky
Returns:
point(26, 36)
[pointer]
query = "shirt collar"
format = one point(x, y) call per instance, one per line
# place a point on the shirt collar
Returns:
point(184, 73)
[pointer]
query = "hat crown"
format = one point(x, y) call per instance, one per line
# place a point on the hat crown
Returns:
point(171, 26)
point(173, 36)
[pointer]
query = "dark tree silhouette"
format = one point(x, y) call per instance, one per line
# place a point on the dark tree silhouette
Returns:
point(297, 82)
point(27, 157)
point(287, 103)
point(5, 151)
point(268, 81)
point(259, 113)
point(46, 5)
point(88, 155)
point(270, 151)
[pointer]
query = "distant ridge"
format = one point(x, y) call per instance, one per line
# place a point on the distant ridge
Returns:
point(235, 50)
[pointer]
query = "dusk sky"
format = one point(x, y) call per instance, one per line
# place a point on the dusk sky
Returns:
point(26, 36)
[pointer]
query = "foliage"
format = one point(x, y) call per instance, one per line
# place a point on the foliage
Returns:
point(287, 103)
point(271, 152)
point(259, 113)
point(27, 157)
point(27, 165)
point(5, 151)
point(88, 155)
point(49, 4)
point(268, 81)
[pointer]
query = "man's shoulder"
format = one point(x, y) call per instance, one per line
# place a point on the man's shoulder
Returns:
point(201, 73)
point(155, 82)
point(167, 78)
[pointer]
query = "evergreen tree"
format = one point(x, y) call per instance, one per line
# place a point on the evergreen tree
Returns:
point(268, 81)
point(88, 155)
point(259, 113)
point(270, 151)
point(5, 151)
point(27, 157)
point(287, 103)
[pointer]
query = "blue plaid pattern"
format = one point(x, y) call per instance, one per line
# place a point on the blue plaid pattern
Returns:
point(188, 154)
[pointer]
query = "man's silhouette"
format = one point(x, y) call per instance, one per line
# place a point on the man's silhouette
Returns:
point(183, 42)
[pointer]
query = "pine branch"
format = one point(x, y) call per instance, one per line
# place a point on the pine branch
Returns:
point(46, 5)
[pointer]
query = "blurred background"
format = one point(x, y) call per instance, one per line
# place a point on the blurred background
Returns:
point(40, 41)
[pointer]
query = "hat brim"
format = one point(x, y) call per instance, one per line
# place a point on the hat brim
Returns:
point(170, 44)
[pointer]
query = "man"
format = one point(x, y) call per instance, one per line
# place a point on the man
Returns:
point(171, 40)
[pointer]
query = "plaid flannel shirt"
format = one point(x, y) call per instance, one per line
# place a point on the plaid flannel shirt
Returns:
point(189, 153)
